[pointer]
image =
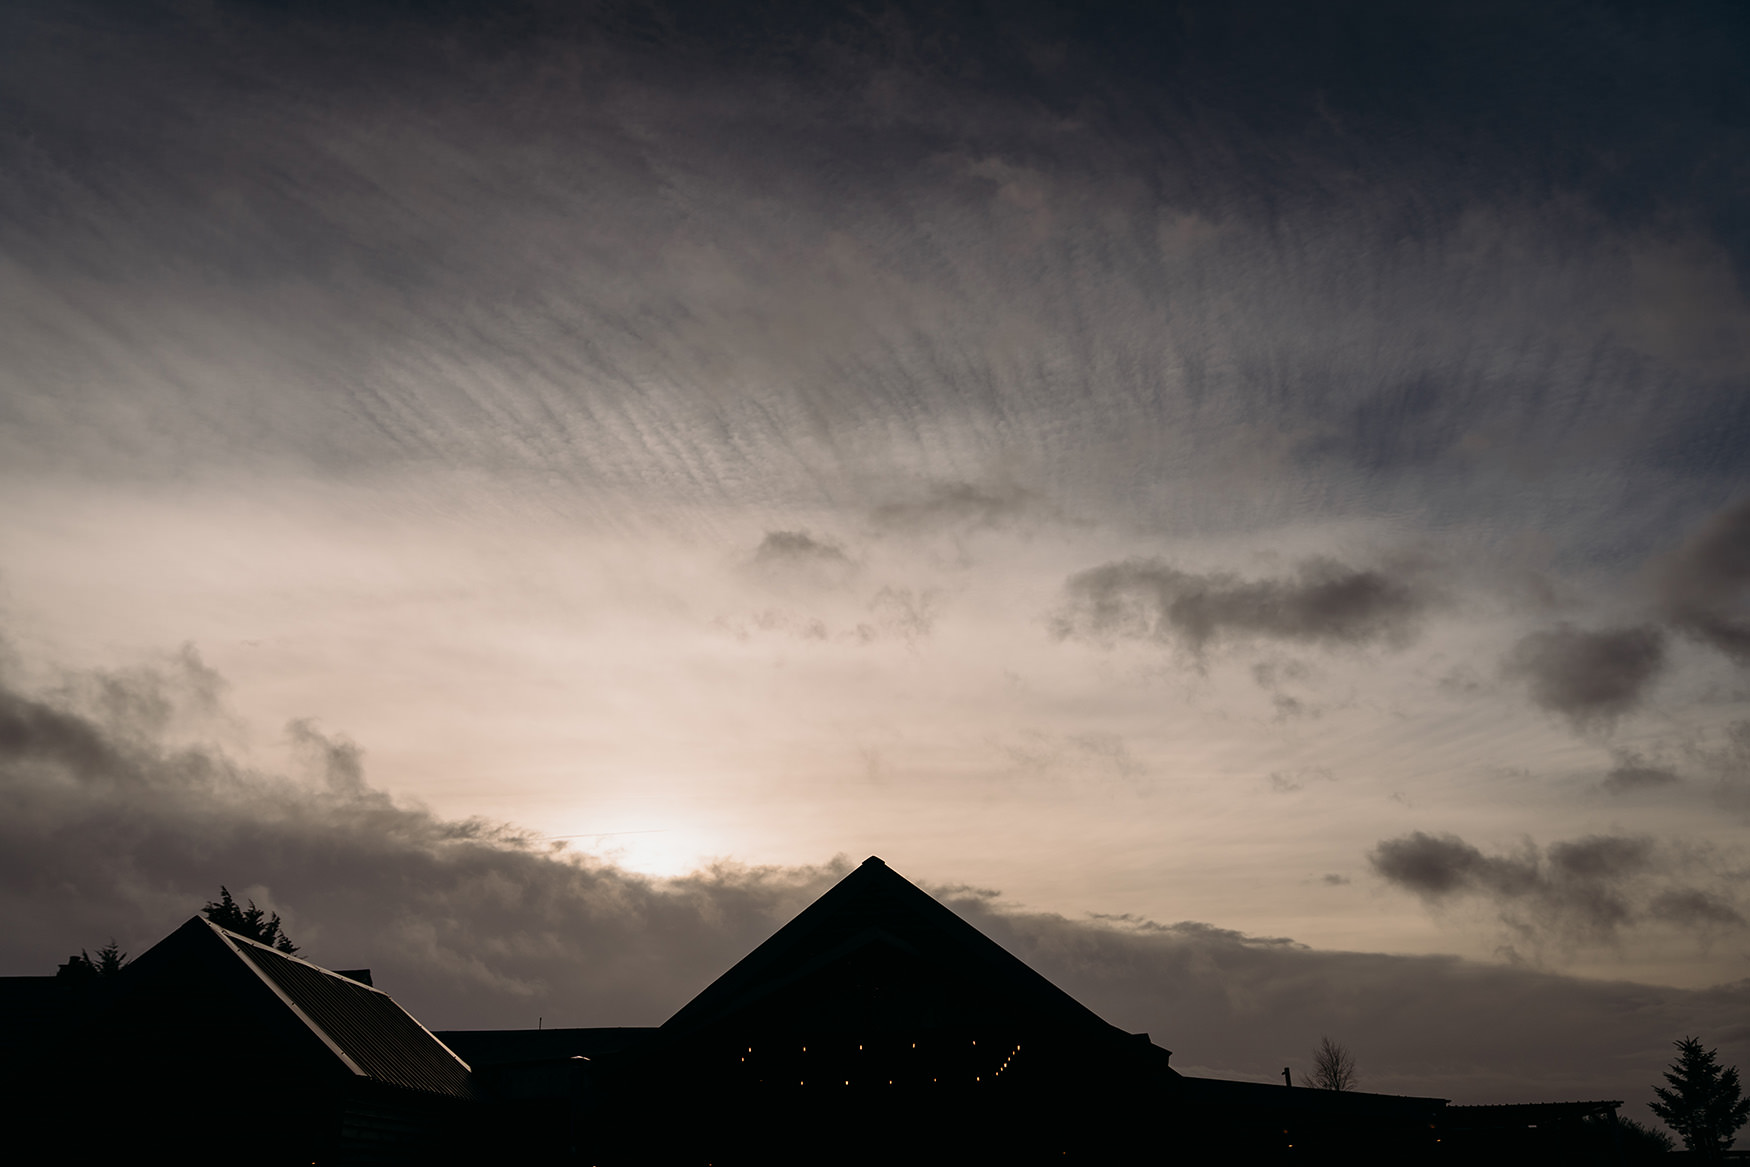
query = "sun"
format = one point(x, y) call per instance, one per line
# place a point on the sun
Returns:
point(663, 852)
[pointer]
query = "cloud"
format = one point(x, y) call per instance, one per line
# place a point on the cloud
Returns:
point(1441, 865)
point(1705, 584)
point(959, 505)
point(892, 615)
point(793, 547)
point(899, 614)
point(1729, 762)
point(1243, 1006)
point(1632, 772)
point(1288, 781)
point(1589, 677)
point(1323, 603)
point(797, 558)
point(111, 831)
point(788, 265)
point(1582, 891)
point(1693, 907)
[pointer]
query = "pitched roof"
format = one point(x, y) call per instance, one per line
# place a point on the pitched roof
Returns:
point(362, 1027)
point(874, 906)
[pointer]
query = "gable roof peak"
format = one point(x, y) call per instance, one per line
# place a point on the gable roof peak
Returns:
point(874, 905)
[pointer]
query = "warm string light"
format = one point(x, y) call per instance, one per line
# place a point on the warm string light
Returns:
point(862, 1047)
point(1008, 1059)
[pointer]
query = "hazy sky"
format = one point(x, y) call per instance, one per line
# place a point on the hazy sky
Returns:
point(1284, 467)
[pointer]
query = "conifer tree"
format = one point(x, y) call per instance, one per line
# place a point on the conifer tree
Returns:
point(252, 921)
point(110, 959)
point(1703, 1103)
point(109, 962)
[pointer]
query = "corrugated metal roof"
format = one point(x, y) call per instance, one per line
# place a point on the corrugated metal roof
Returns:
point(364, 1026)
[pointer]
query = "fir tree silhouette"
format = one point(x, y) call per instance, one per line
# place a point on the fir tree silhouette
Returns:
point(252, 921)
point(1703, 1104)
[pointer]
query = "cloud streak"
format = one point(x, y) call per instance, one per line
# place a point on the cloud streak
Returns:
point(1324, 603)
point(1634, 773)
point(1582, 891)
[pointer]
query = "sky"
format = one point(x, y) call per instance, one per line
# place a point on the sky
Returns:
point(1250, 503)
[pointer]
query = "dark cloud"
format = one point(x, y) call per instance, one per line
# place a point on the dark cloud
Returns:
point(798, 547)
point(1441, 865)
point(799, 563)
point(1586, 890)
point(1601, 857)
point(1633, 772)
point(1324, 602)
point(1589, 677)
point(1244, 1006)
point(809, 251)
point(1705, 584)
point(111, 832)
point(1729, 763)
point(1695, 908)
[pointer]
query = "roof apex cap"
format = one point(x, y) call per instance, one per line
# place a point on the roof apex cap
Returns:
point(873, 861)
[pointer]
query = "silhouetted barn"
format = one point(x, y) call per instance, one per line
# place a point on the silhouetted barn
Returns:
point(880, 1027)
point(875, 1027)
point(211, 1045)
point(879, 1011)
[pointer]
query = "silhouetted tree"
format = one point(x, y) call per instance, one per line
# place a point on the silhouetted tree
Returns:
point(252, 921)
point(1333, 1066)
point(109, 962)
point(110, 959)
point(1603, 1139)
point(1640, 1141)
point(1703, 1104)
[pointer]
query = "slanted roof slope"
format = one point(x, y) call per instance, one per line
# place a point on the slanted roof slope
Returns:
point(361, 1026)
point(375, 1035)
